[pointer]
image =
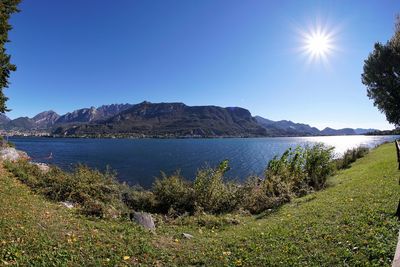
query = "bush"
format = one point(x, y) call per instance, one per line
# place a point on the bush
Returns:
point(350, 156)
point(318, 165)
point(96, 193)
point(302, 169)
point(138, 199)
point(173, 193)
point(25, 172)
point(296, 173)
point(260, 195)
point(211, 193)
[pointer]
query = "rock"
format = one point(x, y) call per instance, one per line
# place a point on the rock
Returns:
point(144, 219)
point(42, 166)
point(187, 236)
point(67, 204)
point(113, 213)
point(11, 154)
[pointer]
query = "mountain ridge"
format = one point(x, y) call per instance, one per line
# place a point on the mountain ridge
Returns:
point(165, 119)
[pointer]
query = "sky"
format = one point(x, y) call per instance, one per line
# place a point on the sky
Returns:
point(72, 54)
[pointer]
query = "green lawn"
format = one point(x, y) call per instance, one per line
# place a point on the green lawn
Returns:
point(350, 223)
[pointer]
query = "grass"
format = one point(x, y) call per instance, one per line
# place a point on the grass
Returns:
point(349, 223)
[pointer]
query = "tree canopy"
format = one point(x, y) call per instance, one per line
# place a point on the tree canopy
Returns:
point(382, 76)
point(7, 8)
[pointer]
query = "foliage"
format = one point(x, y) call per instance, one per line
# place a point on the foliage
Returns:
point(136, 198)
point(173, 194)
point(381, 76)
point(7, 8)
point(318, 165)
point(350, 223)
point(350, 156)
point(296, 173)
point(212, 194)
point(97, 193)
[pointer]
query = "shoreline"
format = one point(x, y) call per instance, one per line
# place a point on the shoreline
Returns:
point(184, 137)
point(46, 225)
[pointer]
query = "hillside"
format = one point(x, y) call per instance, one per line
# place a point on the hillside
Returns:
point(91, 114)
point(164, 119)
point(173, 119)
point(350, 223)
point(46, 120)
point(289, 128)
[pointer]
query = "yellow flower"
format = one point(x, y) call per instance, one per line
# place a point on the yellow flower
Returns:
point(226, 253)
point(126, 258)
point(238, 262)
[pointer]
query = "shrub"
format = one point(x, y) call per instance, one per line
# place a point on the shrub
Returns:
point(318, 165)
point(301, 169)
point(96, 192)
point(25, 171)
point(138, 199)
point(211, 193)
point(350, 156)
point(257, 195)
point(296, 173)
point(173, 192)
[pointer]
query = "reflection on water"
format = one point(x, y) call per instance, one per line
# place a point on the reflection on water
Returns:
point(139, 161)
point(342, 143)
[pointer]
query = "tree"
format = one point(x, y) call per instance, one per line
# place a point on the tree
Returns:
point(7, 8)
point(382, 76)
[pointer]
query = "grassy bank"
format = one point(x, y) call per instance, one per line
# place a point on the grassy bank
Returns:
point(349, 223)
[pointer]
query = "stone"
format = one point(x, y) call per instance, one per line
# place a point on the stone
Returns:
point(144, 219)
point(67, 204)
point(11, 154)
point(42, 166)
point(187, 236)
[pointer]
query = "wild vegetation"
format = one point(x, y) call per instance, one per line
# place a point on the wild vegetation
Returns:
point(296, 173)
point(350, 156)
point(350, 223)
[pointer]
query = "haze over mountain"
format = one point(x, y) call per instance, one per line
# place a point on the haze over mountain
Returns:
point(164, 119)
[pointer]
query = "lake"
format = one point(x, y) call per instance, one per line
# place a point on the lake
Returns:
point(139, 161)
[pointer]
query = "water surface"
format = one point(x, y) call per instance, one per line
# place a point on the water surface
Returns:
point(139, 161)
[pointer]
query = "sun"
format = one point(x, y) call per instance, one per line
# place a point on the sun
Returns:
point(318, 43)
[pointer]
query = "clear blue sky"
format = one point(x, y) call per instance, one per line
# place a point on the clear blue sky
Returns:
point(72, 54)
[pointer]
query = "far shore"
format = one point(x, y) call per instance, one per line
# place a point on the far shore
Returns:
point(177, 137)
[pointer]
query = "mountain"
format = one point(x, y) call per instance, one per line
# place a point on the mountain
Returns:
point(80, 115)
point(107, 111)
point(165, 119)
point(4, 119)
point(173, 119)
point(45, 119)
point(85, 115)
point(287, 128)
point(344, 131)
point(20, 124)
